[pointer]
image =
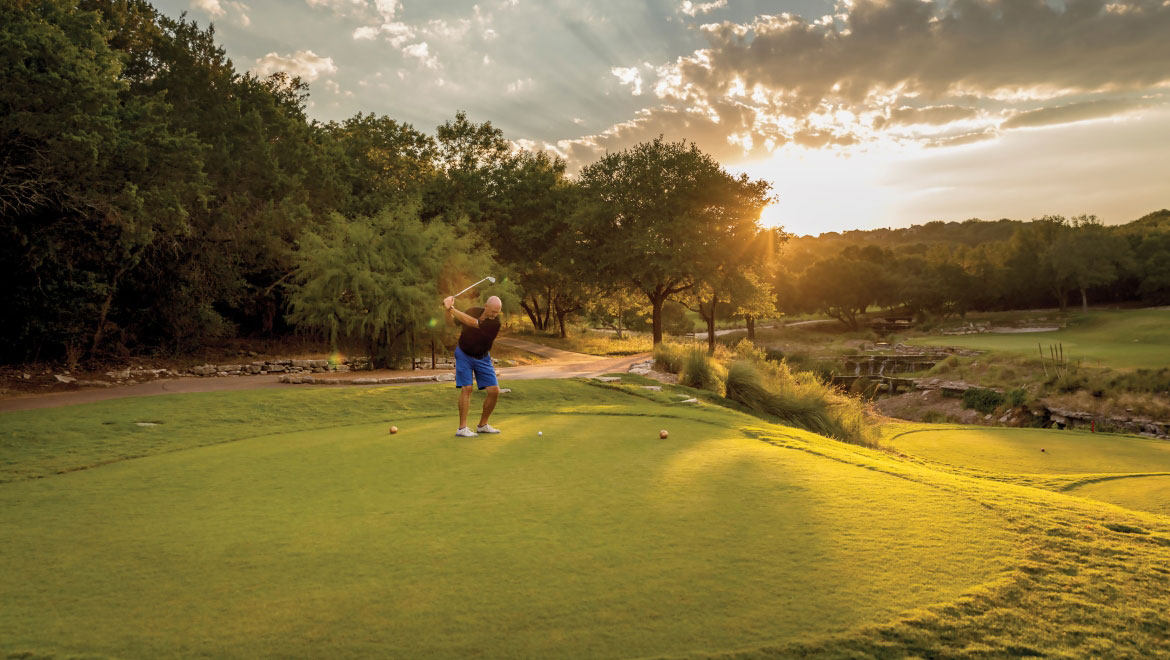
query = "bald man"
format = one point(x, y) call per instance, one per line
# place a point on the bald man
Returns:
point(473, 359)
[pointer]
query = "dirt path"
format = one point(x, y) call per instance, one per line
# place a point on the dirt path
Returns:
point(562, 364)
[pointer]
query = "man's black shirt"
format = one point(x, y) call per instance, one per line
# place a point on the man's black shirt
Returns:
point(476, 342)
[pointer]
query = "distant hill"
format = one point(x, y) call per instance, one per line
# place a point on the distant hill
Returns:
point(967, 232)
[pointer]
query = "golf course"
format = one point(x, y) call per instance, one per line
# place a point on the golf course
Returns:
point(289, 523)
point(1125, 339)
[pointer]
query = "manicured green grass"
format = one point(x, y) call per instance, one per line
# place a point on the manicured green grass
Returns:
point(1017, 451)
point(1141, 493)
point(1124, 339)
point(289, 523)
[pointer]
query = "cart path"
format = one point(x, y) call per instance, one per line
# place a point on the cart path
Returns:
point(562, 364)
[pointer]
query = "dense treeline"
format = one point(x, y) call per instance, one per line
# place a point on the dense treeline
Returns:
point(943, 269)
point(155, 199)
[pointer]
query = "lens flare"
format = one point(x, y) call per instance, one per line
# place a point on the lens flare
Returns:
point(336, 358)
point(433, 322)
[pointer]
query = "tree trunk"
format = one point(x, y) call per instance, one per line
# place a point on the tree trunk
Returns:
point(97, 333)
point(710, 319)
point(619, 323)
point(1084, 301)
point(561, 322)
point(751, 327)
point(656, 306)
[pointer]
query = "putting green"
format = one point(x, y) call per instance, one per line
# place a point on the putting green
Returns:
point(597, 539)
point(1017, 451)
point(1141, 493)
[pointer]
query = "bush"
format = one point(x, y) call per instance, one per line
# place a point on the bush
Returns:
point(800, 400)
point(702, 372)
point(1017, 397)
point(985, 401)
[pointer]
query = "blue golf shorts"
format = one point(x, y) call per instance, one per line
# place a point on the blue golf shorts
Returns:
point(481, 368)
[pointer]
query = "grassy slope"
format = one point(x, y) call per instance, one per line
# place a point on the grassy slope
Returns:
point(1126, 470)
point(613, 543)
point(1124, 339)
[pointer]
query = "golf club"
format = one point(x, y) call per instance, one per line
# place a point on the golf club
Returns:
point(489, 278)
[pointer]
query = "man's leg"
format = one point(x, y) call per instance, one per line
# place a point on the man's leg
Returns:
point(465, 404)
point(489, 404)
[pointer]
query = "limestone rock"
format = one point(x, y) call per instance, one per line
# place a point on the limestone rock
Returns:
point(65, 379)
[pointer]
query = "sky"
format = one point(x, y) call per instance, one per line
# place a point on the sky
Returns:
point(860, 113)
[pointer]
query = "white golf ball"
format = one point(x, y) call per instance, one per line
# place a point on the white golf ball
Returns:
point(540, 433)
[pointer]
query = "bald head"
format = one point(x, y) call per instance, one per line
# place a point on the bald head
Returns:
point(491, 309)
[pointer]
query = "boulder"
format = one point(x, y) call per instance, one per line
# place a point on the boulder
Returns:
point(608, 379)
point(445, 378)
point(65, 379)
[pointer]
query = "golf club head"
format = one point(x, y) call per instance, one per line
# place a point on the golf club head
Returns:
point(490, 279)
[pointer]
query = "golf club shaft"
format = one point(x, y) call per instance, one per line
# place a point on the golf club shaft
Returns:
point(470, 287)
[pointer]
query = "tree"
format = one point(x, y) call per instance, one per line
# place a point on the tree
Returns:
point(380, 279)
point(843, 287)
point(94, 178)
point(653, 215)
point(1088, 255)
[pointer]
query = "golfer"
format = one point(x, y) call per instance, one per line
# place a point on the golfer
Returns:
point(472, 359)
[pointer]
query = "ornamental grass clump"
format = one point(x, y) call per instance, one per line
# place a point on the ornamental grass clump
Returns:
point(801, 400)
point(701, 371)
point(670, 356)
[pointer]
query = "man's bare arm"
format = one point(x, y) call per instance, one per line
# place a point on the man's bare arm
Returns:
point(452, 314)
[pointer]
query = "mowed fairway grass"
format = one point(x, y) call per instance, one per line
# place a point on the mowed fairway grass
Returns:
point(1125, 339)
point(1120, 469)
point(290, 523)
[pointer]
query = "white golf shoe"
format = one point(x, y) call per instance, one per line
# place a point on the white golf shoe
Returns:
point(465, 432)
point(487, 428)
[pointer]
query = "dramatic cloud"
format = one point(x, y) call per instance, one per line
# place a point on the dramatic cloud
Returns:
point(1064, 114)
point(932, 73)
point(304, 63)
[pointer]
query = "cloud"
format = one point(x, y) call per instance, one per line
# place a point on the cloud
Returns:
point(690, 8)
point(629, 76)
point(1065, 114)
point(395, 33)
point(518, 86)
point(382, 11)
point(924, 72)
point(421, 52)
point(304, 64)
point(219, 9)
point(931, 115)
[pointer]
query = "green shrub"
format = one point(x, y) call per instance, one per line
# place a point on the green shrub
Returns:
point(799, 399)
point(670, 356)
point(702, 372)
point(983, 400)
point(1017, 397)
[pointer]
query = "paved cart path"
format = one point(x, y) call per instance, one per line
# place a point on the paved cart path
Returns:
point(561, 364)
